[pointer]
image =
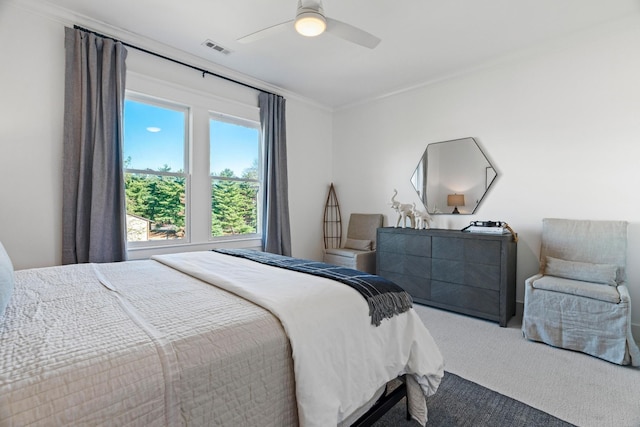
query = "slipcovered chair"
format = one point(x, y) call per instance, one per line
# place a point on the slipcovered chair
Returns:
point(579, 300)
point(359, 249)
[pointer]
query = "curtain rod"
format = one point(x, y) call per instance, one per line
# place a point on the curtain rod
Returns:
point(202, 70)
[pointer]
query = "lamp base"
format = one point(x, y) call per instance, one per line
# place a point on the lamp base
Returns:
point(455, 210)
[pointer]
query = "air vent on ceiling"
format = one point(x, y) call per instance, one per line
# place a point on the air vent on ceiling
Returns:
point(216, 47)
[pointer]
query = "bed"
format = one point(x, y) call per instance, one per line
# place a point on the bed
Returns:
point(180, 340)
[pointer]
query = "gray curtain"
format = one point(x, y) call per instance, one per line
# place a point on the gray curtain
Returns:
point(276, 237)
point(94, 222)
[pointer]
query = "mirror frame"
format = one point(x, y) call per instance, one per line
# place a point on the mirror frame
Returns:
point(481, 176)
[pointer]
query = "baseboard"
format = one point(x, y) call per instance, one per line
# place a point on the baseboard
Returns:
point(635, 328)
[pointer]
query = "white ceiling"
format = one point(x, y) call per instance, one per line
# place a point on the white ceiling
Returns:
point(422, 40)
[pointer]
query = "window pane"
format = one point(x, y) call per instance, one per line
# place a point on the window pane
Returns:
point(235, 170)
point(234, 148)
point(155, 140)
point(155, 207)
point(154, 137)
point(234, 207)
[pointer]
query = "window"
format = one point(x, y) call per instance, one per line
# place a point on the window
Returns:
point(155, 170)
point(234, 164)
point(192, 165)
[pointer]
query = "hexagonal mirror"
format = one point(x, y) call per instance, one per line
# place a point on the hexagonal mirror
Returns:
point(452, 177)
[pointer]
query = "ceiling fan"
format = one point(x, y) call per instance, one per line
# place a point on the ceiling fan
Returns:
point(311, 21)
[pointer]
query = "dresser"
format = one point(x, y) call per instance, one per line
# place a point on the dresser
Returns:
point(469, 273)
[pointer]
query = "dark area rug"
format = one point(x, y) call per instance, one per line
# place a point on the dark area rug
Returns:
point(459, 402)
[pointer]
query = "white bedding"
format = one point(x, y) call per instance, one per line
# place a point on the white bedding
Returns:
point(139, 343)
point(163, 349)
point(340, 359)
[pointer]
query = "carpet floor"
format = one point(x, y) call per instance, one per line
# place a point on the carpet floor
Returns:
point(580, 389)
point(459, 402)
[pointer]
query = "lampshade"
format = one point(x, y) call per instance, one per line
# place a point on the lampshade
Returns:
point(455, 200)
point(310, 24)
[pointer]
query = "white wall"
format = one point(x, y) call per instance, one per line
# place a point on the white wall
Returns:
point(31, 115)
point(561, 125)
point(31, 110)
point(309, 133)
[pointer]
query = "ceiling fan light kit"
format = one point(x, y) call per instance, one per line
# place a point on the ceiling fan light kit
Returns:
point(310, 23)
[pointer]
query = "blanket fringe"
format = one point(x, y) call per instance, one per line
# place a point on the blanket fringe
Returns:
point(385, 306)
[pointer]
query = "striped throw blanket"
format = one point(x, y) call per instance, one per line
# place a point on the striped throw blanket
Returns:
point(384, 297)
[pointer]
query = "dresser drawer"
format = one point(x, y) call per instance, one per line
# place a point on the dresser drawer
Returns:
point(476, 299)
point(460, 272)
point(416, 286)
point(404, 242)
point(482, 251)
point(475, 251)
point(404, 264)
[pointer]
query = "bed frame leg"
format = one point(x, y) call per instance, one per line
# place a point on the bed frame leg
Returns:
point(406, 402)
point(384, 404)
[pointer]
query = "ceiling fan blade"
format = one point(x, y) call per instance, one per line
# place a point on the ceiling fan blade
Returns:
point(351, 33)
point(265, 32)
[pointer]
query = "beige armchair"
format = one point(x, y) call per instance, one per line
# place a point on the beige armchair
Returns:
point(359, 249)
point(579, 300)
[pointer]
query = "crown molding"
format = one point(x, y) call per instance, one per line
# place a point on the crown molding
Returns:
point(70, 18)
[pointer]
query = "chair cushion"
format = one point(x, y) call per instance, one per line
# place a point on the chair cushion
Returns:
point(359, 244)
point(349, 253)
point(586, 241)
point(579, 288)
point(583, 271)
point(6, 279)
point(364, 227)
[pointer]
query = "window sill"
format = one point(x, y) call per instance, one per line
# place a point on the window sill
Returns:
point(137, 253)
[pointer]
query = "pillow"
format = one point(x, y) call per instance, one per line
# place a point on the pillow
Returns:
point(6, 279)
point(360, 245)
point(585, 271)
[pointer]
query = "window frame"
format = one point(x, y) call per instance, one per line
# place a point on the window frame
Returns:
point(204, 99)
point(186, 175)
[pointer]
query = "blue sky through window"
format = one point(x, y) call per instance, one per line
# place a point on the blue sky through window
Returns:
point(232, 146)
point(155, 136)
